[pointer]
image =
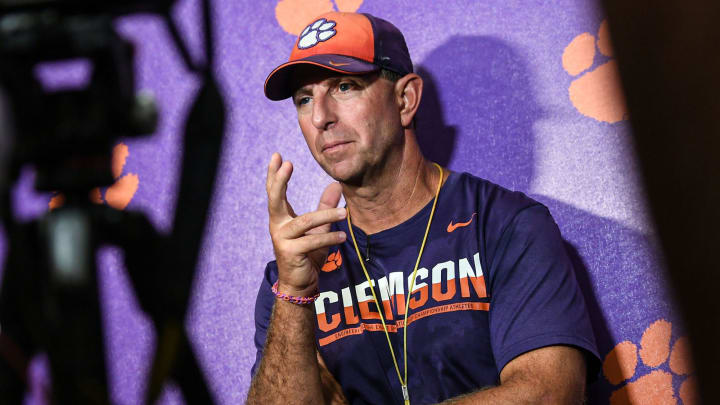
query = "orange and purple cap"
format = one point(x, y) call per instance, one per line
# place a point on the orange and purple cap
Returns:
point(349, 43)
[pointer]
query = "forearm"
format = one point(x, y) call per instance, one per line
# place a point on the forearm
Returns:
point(550, 375)
point(510, 394)
point(289, 371)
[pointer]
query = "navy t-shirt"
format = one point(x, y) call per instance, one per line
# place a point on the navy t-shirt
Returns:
point(494, 281)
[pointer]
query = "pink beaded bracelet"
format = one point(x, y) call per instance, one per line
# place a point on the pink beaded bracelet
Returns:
point(292, 298)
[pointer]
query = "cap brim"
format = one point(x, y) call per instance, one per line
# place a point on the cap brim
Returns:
point(277, 84)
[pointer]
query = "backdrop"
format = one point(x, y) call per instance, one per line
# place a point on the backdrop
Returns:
point(523, 93)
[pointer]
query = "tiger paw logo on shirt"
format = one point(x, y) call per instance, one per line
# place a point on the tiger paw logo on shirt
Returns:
point(333, 262)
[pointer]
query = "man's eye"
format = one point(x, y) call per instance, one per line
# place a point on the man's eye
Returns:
point(345, 86)
point(303, 100)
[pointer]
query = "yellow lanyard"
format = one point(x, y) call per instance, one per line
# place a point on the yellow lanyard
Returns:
point(403, 381)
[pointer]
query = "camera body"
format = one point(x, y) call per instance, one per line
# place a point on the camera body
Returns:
point(68, 134)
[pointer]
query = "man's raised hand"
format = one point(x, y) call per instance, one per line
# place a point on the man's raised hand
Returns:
point(300, 242)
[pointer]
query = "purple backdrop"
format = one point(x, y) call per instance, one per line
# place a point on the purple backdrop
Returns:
point(520, 93)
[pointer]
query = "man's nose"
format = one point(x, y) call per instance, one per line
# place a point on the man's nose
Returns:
point(323, 113)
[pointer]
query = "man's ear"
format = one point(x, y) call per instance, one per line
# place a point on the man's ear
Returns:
point(408, 91)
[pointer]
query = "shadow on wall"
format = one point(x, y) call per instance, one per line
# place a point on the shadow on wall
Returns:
point(478, 110)
point(477, 115)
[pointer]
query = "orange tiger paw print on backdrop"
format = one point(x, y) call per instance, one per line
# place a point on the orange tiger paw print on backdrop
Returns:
point(120, 193)
point(596, 93)
point(666, 363)
point(293, 15)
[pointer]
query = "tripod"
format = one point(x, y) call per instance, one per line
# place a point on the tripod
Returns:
point(49, 297)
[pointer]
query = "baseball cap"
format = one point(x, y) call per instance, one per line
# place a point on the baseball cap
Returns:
point(350, 43)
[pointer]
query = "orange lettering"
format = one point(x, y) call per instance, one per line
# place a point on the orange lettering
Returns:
point(418, 301)
point(366, 312)
point(393, 328)
point(388, 310)
point(478, 284)
point(350, 317)
point(437, 293)
point(323, 323)
point(400, 303)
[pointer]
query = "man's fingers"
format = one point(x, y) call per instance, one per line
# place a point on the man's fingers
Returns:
point(330, 196)
point(309, 243)
point(300, 225)
point(277, 198)
point(273, 166)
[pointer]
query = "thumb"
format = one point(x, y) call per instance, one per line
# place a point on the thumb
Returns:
point(330, 196)
point(329, 199)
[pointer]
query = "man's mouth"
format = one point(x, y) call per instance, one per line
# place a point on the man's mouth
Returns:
point(334, 146)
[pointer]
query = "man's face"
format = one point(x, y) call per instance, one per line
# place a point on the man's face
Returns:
point(350, 122)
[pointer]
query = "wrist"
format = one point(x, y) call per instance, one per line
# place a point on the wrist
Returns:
point(302, 296)
point(300, 291)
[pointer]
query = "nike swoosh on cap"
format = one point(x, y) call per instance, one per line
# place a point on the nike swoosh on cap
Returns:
point(338, 64)
point(451, 227)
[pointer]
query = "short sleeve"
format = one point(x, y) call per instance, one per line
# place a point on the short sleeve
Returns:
point(535, 299)
point(263, 309)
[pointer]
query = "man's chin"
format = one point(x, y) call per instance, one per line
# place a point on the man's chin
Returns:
point(343, 172)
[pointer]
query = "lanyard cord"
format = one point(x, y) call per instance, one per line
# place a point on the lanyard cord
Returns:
point(403, 381)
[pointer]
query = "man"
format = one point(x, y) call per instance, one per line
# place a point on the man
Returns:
point(479, 274)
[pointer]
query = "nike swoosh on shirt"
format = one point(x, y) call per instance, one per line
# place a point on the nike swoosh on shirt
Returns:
point(338, 64)
point(451, 227)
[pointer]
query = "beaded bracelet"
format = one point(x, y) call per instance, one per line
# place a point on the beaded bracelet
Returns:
point(292, 298)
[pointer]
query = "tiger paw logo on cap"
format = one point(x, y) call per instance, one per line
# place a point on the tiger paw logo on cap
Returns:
point(361, 43)
point(319, 31)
